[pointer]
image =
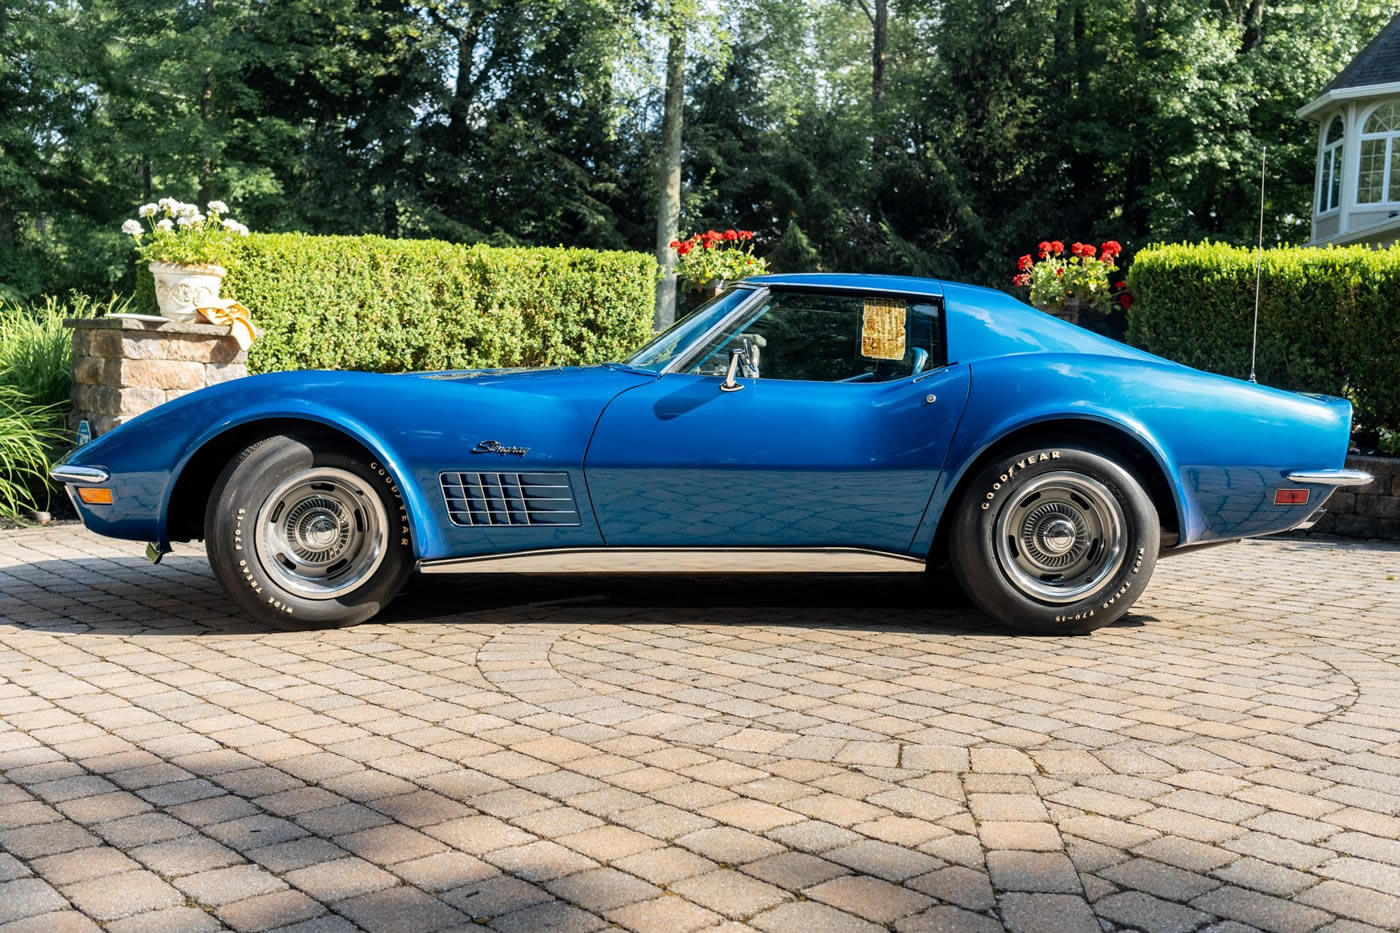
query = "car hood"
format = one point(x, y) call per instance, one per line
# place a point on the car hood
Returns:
point(542, 380)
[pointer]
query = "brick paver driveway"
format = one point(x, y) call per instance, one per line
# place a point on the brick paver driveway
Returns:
point(677, 754)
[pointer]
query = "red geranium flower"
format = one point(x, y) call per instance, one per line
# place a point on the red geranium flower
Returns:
point(1112, 247)
point(1126, 301)
point(675, 244)
point(1120, 285)
point(1059, 272)
point(746, 234)
point(1021, 280)
point(1057, 247)
point(1044, 249)
point(731, 234)
point(1024, 263)
point(683, 248)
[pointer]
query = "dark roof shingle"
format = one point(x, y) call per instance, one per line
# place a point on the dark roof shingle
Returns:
point(1378, 63)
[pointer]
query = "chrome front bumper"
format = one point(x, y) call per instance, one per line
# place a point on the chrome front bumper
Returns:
point(88, 476)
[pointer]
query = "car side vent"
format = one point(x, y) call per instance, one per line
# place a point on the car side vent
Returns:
point(509, 498)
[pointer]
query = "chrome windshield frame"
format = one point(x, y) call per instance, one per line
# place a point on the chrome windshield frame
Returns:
point(760, 293)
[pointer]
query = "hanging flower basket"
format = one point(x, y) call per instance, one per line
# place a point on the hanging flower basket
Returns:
point(1075, 286)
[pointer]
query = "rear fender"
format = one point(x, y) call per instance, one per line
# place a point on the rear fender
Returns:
point(974, 441)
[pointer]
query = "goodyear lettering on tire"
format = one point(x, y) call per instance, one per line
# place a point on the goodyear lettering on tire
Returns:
point(1028, 460)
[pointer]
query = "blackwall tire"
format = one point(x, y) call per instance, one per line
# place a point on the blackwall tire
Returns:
point(1055, 540)
point(302, 534)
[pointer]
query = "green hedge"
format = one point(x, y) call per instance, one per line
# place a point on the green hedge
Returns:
point(1329, 319)
point(370, 303)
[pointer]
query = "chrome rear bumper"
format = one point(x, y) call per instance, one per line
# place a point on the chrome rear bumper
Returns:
point(1330, 477)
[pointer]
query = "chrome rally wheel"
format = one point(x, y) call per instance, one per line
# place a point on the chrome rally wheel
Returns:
point(322, 533)
point(307, 531)
point(1060, 537)
point(1055, 540)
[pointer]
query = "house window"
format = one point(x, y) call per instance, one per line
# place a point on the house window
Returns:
point(1379, 179)
point(1329, 184)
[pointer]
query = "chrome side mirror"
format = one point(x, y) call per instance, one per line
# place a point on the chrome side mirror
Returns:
point(730, 384)
point(920, 360)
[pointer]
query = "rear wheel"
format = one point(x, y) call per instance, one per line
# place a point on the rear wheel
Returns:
point(304, 534)
point(1055, 541)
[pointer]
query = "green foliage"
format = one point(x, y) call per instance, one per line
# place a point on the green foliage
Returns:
point(535, 122)
point(36, 350)
point(36, 374)
point(1328, 319)
point(27, 431)
point(385, 305)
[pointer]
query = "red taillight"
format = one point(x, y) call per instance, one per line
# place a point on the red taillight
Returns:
point(1290, 497)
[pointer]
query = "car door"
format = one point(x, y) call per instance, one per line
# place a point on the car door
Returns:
point(834, 436)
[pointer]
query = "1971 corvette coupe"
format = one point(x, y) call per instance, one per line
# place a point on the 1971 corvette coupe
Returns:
point(799, 422)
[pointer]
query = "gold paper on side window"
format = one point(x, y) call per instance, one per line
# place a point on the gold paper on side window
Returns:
point(882, 335)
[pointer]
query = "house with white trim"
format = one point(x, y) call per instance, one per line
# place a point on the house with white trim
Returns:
point(1356, 199)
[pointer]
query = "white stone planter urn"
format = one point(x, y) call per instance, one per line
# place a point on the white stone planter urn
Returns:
point(182, 290)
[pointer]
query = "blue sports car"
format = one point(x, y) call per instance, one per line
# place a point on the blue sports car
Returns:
point(798, 422)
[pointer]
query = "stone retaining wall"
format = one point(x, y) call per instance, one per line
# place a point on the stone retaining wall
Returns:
point(1370, 511)
point(124, 366)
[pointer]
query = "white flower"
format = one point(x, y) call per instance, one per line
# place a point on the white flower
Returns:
point(165, 225)
point(147, 210)
point(235, 226)
point(132, 227)
point(169, 205)
point(186, 210)
point(218, 207)
point(188, 220)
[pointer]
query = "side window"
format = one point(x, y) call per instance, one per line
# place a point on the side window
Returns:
point(824, 337)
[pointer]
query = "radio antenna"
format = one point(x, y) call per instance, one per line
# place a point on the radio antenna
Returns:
point(1258, 266)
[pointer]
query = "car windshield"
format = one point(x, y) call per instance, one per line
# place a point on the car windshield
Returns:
point(677, 339)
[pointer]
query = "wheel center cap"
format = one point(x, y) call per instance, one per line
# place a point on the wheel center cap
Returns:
point(1057, 535)
point(321, 531)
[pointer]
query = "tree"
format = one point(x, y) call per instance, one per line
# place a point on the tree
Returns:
point(668, 177)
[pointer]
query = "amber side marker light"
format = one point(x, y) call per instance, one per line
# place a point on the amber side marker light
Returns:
point(95, 495)
point(1290, 497)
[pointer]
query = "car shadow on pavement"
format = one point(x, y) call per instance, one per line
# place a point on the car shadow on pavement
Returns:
point(129, 595)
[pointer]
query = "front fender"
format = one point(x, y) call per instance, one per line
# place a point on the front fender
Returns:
point(416, 426)
point(422, 533)
point(148, 455)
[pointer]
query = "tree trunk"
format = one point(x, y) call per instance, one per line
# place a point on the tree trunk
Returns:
point(206, 167)
point(668, 199)
point(1254, 26)
point(206, 100)
point(880, 22)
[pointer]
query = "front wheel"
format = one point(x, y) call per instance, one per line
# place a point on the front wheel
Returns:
point(305, 534)
point(1055, 541)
